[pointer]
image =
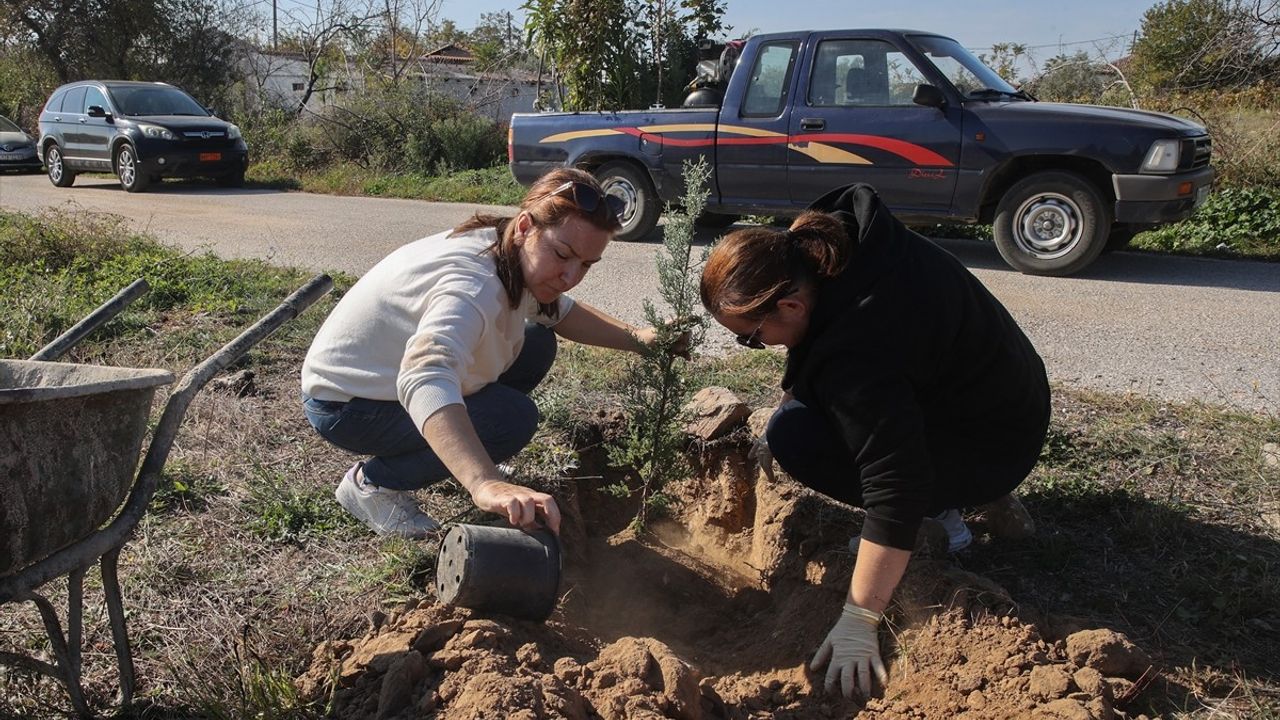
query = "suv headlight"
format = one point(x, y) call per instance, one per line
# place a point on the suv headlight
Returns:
point(1162, 157)
point(233, 132)
point(155, 131)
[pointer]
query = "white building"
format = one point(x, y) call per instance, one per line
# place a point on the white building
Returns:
point(280, 78)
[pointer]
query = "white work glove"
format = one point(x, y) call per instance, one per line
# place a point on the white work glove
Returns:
point(763, 456)
point(853, 648)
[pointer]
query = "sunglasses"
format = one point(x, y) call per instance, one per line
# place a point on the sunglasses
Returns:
point(588, 199)
point(752, 340)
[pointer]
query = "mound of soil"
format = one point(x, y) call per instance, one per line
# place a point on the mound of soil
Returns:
point(715, 614)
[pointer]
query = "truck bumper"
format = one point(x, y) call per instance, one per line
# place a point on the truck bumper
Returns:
point(1155, 199)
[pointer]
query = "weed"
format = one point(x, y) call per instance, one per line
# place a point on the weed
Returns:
point(282, 513)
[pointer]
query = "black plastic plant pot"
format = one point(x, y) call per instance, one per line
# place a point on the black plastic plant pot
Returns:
point(506, 571)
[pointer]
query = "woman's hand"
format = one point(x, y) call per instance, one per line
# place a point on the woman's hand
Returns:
point(520, 504)
point(676, 334)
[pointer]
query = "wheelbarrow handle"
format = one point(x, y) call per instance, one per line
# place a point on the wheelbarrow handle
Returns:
point(64, 342)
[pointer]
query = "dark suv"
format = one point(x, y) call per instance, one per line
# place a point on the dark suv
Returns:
point(140, 132)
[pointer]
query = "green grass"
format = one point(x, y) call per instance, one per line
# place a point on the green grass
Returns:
point(490, 186)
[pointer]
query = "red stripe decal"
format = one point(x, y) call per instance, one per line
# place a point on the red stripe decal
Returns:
point(917, 154)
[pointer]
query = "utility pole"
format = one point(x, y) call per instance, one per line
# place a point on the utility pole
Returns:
point(275, 27)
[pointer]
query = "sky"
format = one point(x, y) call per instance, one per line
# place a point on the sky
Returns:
point(977, 24)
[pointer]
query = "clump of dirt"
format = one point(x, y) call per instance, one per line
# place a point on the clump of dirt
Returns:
point(715, 614)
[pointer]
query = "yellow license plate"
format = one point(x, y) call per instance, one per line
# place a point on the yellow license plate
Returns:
point(210, 157)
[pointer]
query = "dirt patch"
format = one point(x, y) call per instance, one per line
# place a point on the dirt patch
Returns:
point(715, 614)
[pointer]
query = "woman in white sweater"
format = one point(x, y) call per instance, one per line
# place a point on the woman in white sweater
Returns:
point(427, 363)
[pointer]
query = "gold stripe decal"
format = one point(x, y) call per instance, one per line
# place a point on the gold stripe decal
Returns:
point(566, 137)
point(827, 154)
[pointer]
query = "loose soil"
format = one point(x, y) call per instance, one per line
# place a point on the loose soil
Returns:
point(714, 613)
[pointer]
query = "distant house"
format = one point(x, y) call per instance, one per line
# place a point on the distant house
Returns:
point(280, 78)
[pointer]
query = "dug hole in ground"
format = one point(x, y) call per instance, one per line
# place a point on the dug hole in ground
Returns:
point(714, 612)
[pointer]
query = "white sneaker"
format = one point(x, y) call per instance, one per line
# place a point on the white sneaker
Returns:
point(386, 512)
point(958, 535)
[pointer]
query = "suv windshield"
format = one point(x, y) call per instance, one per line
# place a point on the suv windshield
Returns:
point(6, 126)
point(154, 100)
point(966, 72)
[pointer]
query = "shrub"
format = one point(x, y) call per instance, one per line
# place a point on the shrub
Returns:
point(1234, 221)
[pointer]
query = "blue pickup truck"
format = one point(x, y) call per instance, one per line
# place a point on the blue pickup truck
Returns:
point(940, 135)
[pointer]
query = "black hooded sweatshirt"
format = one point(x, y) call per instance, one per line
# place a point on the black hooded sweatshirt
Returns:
point(938, 395)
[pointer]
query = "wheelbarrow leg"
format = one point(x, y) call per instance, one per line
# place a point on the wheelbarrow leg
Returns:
point(115, 610)
point(70, 674)
point(75, 617)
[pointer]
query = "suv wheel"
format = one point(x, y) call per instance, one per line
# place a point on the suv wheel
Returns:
point(59, 174)
point(1051, 223)
point(131, 176)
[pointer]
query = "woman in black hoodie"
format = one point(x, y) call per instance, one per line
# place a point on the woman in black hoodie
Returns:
point(909, 389)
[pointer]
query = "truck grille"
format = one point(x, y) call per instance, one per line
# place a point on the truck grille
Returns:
point(1196, 152)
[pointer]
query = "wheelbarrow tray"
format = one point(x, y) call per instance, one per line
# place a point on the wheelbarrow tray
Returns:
point(70, 437)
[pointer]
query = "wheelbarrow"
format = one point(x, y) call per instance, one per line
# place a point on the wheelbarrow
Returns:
point(70, 436)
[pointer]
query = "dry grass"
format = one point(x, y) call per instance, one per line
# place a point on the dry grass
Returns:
point(1157, 519)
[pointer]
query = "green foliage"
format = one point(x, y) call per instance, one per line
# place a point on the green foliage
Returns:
point(611, 54)
point(1234, 221)
point(1071, 78)
point(1004, 58)
point(25, 82)
point(398, 128)
point(57, 268)
point(1188, 44)
point(282, 513)
point(656, 385)
point(189, 43)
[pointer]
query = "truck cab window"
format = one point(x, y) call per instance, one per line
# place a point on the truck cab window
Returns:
point(770, 77)
point(853, 73)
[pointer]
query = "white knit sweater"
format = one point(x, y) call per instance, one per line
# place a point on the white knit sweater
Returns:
point(428, 325)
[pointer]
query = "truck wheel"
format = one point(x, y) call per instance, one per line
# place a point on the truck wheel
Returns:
point(1051, 223)
point(59, 174)
point(641, 205)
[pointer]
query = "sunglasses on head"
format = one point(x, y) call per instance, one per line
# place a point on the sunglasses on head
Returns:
point(588, 199)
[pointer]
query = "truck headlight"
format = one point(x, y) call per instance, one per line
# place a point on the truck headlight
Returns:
point(1162, 157)
point(233, 132)
point(155, 131)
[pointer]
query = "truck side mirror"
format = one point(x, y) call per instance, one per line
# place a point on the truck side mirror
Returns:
point(929, 96)
point(96, 111)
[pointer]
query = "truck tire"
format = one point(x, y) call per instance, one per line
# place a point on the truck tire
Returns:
point(641, 205)
point(1051, 223)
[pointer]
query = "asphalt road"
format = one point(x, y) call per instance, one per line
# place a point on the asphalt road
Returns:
point(1174, 328)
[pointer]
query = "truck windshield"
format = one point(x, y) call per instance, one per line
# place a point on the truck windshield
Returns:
point(6, 126)
point(966, 72)
point(143, 100)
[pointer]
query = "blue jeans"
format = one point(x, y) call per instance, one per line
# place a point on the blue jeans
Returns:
point(504, 417)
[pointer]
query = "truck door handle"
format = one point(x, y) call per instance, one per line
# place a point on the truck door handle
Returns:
point(813, 124)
